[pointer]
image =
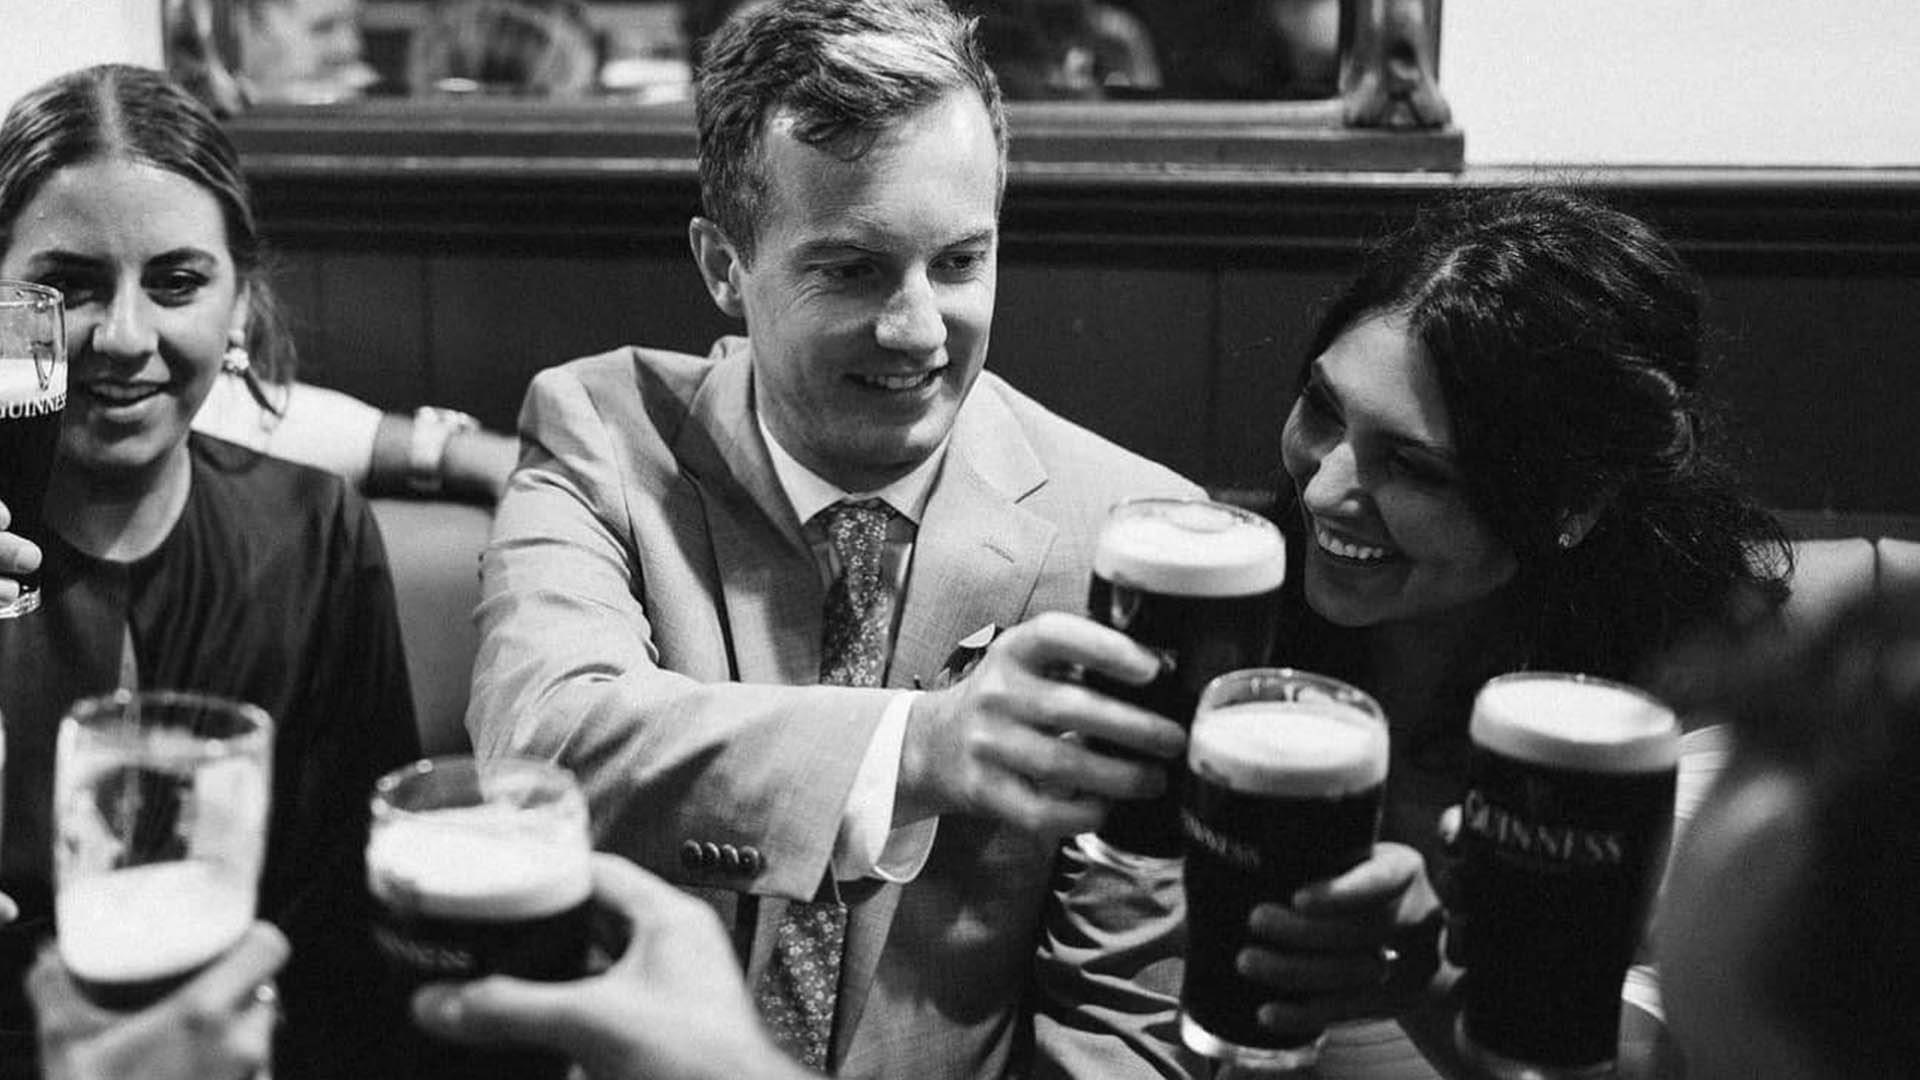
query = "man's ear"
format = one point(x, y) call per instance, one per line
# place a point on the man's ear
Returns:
point(720, 265)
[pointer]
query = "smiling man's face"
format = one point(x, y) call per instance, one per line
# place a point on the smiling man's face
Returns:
point(869, 298)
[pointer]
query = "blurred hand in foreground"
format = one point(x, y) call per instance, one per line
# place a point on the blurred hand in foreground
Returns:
point(217, 1026)
point(672, 1007)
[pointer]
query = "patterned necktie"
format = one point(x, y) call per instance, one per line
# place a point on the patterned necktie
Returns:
point(796, 994)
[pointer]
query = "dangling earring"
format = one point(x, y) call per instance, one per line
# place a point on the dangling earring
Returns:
point(235, 360)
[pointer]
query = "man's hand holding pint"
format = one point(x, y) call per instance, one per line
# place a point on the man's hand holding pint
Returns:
point(1021, 741)
point(672, 1007)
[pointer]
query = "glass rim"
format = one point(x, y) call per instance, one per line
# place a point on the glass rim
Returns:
point(1648, 740)
point(471, 765)
point(1366, 702)
point(1131, 501)
point(104, 716)
point(39, 295)
point(1577, 677)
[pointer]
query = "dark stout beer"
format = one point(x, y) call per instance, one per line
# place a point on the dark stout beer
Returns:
point(490, 888)
point(1280, 794)
point(131, 937)
point(33, 394)
point(1565, 820)
point(1198, 583)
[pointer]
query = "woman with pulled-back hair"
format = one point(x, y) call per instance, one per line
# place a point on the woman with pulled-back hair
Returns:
point(176, 560)
point(1501, 458)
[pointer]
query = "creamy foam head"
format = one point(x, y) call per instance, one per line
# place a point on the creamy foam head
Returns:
point(1301, 749)
point(1574, 722)
point(20, 380)
point(469, 863)
point(152, 921)
point(1191, 548)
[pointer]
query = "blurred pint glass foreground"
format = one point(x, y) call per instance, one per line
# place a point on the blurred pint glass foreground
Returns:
point(1568, 806)
point(1286, 774)
point(33, 393)
point(160, 827)
point(480, 867)
point(1198, 583)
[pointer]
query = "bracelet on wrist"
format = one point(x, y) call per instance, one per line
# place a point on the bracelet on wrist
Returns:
point(433, 429)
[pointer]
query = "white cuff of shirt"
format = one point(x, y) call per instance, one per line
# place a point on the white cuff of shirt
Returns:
point(868, 845)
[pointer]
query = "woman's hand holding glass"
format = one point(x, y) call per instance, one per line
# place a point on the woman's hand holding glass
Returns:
point(1357, 945)
point(18, 555)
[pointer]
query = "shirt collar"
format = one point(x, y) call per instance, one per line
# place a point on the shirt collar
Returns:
point(809, 494)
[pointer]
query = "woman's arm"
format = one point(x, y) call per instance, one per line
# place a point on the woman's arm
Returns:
point(440, 452)
point(431, 451)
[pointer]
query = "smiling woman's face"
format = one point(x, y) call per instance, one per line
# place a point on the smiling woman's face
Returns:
point(152, 299)
point(1370, 449)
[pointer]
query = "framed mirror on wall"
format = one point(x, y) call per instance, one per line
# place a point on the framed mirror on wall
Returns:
point(1350, 84)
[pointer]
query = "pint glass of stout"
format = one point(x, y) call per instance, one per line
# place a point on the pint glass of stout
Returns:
point(33, 394)
point(1565, 820)
point(1286, 775)
point(481, 867)
point(160, 823)
point(1197, 582)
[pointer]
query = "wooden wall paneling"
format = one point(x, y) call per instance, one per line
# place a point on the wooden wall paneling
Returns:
point(1266, 320)
point(497, 319)
point(1133, 298)
point(293, 276)
point(1124, 350)
point(367, 330)
point(1820, 373)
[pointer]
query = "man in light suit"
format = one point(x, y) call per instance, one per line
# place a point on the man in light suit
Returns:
point(652, 610)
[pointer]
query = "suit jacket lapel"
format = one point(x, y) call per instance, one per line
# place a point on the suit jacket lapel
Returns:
point(768, 578)
point(978, 553)
point(976, 557)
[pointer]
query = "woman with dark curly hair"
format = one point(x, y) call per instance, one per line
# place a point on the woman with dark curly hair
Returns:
point(1500, 459)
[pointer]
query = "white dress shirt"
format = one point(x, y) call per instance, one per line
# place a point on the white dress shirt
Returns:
point(868, 845)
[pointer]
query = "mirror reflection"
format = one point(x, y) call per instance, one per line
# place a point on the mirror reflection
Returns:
point(327, 51)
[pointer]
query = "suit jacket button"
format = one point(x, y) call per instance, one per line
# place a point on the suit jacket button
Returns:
point(750, 861)
point(730, 858)
point(690, 855)
point(709, 855)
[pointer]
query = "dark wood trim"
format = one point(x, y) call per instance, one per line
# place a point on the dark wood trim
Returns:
point(1251, 182)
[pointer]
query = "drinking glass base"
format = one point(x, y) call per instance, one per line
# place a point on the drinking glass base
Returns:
point(24, 604)
point(1500, 1067)
point(1257, 1059)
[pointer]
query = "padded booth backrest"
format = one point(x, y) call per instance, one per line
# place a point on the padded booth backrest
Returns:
point(434, 549)
point(1899, 563)
point(1826, 574)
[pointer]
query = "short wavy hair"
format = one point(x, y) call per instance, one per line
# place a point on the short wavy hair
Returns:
point(844, 70)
